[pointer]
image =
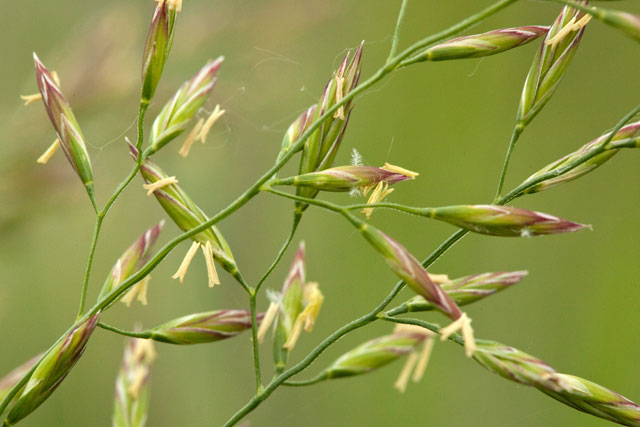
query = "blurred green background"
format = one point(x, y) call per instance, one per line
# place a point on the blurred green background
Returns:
point(577, 310)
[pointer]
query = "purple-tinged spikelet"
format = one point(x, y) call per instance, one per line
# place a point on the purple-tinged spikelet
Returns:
point(376, 353)
point(629, 131)
point(52, 370)
point(132, 259)
point(485, 44)
point(204, 327)
point(408, 268)
point(345, 178)
point(573, 391)
point(550, 64)
point(469, 289)
point(183, 106)
point(503, 220)
point(12, 378)
point(132, 384)
point(185, 213)
point(66, 126)
point(157, 47)
point(321, 147)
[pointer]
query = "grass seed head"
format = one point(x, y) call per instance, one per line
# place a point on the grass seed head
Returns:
point(65, 125)
point(204, 327)
point(52, 370)
point(505, 221)
point(469, 289)
point(183, 106)
point(377, 353)
point(486, 44)
point(551, 62)
point(157, 47)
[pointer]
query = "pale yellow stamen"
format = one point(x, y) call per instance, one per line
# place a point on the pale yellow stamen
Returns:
point(170, 180)
point(50, 151)
point(423, 358)
point(400, 170)
point(206, 127)
point(30, 99)
point(560, 35)
point(381, 191)
point(139, 290)
point(184, 266)
point(212, 274)
point(463, 324)
point(403, 378)
point(314, 299)
point(339, 114)
point(307, 318)
point(439, 279)
point(572, 25)
point(184, 151)
point(267, 320)
point(582, 22)
point(409, 329)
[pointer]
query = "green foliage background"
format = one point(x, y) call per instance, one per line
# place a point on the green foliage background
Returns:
point(450, 121)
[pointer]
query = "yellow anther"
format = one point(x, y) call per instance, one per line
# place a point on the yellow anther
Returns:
point(439, 279)
point(571, 26)
point(463, 324)
point(560, 35)
point(50, 151)
point(30, 99)
point(314, 299)
point(212, 273)
point(206, 127)
point(381, 191)
point(267, 320)
point(339, 114)
point(307, 318)
point(403, 378)
point(193, 135)
point(184, 266)
point(139, 290)
point(423, 358)
point(400, 170)
point(159, 184)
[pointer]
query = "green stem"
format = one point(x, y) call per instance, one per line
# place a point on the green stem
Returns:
point(255, 343)
point(396, 34)
point(433, 327)
point(517, 131)
point(87, 272)
point(142, 335)
point(322, 376)
point(283, 249)
point(554, 173)
point(102, 213)
point(451, 31)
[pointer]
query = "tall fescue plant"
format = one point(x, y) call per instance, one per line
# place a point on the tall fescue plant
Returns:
point(316, 137)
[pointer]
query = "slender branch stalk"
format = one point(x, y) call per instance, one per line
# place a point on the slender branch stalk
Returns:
point(283, 249)
point(322, 376)
point(142, 335)
point(102, 213)
point(517, 131)
point(396, 34)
